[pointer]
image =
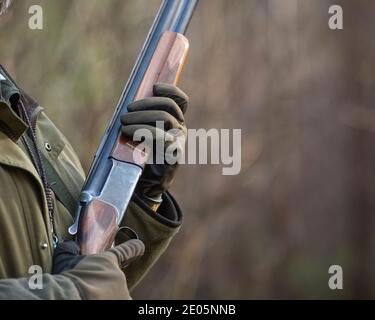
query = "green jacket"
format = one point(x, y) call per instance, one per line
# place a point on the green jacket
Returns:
point(25, 228)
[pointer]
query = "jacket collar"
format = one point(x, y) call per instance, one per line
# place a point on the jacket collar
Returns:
point(10, 96)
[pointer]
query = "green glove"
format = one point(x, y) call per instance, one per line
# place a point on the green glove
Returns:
point(168, 105)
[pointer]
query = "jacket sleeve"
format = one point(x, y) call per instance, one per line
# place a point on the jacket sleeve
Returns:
point(156, 230)
point(54, 287)
point(94, 277)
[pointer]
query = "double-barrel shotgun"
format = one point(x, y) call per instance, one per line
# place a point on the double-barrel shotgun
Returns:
point(118, 163)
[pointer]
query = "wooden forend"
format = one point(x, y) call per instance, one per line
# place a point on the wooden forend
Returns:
point(166, 66)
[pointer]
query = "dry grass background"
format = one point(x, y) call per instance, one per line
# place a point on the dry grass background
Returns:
point(303, 96)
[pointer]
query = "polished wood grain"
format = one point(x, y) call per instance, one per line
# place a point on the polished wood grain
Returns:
point(166, 64)
point(126, 150)
point(97, 227)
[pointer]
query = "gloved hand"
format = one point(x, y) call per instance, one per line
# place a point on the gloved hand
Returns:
point(97, 276)
point(168, 105)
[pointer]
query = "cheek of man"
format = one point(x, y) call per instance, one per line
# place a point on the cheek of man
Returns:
point(4, 4)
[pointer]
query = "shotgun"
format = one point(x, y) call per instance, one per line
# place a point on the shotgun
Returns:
point(118, 163)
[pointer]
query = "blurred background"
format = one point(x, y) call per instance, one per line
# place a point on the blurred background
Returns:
point(303, 96)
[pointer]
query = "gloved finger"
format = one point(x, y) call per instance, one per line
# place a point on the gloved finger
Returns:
point(150, 118)
point(66, 256)
point(173, 92)
point(137, 131)
point(158, 103)
point(128, 251)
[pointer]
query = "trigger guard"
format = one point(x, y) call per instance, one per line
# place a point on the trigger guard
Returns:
point(131, 233)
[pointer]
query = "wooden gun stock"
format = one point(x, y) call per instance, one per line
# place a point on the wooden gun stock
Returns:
point(98, 223)
point(98, 227)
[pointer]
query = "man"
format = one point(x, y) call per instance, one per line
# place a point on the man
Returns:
point(35, 158)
